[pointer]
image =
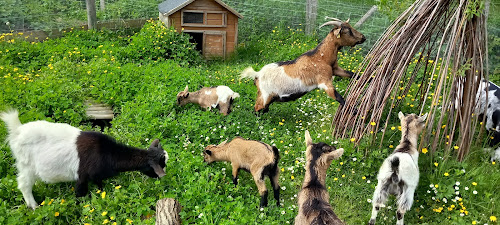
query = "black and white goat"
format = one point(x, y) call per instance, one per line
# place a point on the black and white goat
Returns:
point(220, 97)
point(289, 80)
point(58, 152)
point(488, 97)
point(399, 173)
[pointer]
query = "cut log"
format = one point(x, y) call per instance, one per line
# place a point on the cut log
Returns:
point(167, 212)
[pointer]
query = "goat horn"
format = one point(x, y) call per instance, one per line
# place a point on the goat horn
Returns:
point(332, 18)
point(186, 89)
point(334, 23)
point(347, 21)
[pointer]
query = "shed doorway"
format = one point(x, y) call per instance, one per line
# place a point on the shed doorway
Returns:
point(197, 38)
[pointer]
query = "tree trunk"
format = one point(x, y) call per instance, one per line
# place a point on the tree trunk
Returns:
point(91, 14)
point(167, 212)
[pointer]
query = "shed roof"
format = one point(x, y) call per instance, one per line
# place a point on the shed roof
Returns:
point(169, 7)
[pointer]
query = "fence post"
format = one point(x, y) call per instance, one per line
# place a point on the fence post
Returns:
point(311, 13)
point(91, 14)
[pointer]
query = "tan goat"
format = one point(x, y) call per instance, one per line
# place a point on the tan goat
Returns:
point(259, 158)
point(289, 80)
point(220, 97)
point(313, 200)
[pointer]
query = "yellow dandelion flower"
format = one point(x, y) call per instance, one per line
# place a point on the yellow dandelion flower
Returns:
point(474, 183)
point(104, 213)
point(391, 146)
point(114, 223)
point(436, 164)
point(393, 128)
point(373, 123)
point(343, 175)
point(493, 218)
point(364, 178)
point(436, 186)
point(118, 187)
point(353, 139)
point(292, 177)
point(446, 174)
point(335, 179)
point(474, 222)
point(103, 194)
point(105, 221)
point(493, 163)
point(455, 147)
point(424, 150)
point(56, 214)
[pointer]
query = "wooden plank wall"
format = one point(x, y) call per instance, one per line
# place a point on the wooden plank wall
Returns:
point(210, 5)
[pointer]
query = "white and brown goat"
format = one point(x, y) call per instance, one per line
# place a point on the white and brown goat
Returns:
point(399, 174)
point(220, 97)
point(313, 200)
point(259, 158)
point(289, 80)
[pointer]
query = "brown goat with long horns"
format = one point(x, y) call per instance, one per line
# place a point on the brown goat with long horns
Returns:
point(289, 80)
point(313, 200)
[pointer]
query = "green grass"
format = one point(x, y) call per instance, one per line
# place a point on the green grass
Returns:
point(142, 92)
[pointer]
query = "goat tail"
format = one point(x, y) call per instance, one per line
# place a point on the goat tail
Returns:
point(249, 73)
point(276, 153)
point(395, 170)
point(11, 119)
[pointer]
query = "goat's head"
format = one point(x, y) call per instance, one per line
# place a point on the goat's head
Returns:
point(157, 159)
point(208, 153)
point(412, 123)
point(344, 32)
point(320, 155)
point(182, 97)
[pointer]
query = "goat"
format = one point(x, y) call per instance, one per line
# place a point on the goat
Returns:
point(209, 97)
point(259, 158)
point(313, 200)
point(487, 97)
point(399, 174)
point(59, 152)
point(289, 80)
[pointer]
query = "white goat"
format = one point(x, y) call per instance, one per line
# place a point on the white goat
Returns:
point(399, 174)
point(209, 97)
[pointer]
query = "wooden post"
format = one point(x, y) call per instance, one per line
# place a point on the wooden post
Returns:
point(102, 5)
point(366, 16)
point(91, 14)
point(167, 212)
point(311, 13)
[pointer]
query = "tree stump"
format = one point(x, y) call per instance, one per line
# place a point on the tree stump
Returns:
point(167, 212)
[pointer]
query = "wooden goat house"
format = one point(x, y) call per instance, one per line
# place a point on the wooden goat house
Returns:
point(313, 200)
point(289, 80)
point(259, 158)
point(58, 152)
point(399, 173)
point(220, 97)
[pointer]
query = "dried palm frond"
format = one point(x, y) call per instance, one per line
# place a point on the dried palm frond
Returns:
point(446, 39)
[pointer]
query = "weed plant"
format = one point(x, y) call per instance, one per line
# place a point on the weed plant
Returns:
point(52, 79)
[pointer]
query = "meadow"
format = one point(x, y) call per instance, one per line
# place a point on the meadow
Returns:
point(140, 73)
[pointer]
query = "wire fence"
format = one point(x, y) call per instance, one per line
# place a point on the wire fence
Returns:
point(260, 16)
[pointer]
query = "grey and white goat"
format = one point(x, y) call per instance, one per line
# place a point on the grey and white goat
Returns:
point(399, 174)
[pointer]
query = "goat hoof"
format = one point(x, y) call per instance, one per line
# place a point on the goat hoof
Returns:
point(372, 222)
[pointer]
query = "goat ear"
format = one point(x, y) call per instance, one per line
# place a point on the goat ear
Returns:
point(401, 115)
point(208, 152)
point(186, 95)
point(158, 170)
point(155, 143)
point(422, 118)
point(336, 32)
point(308, 138)
point(336, 154)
